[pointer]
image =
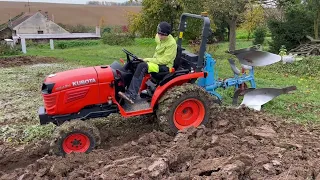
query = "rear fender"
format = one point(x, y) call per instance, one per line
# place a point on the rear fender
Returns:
point(174, 82)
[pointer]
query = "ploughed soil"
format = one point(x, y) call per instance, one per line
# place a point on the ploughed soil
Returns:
point(25, 60)
point(236, 144)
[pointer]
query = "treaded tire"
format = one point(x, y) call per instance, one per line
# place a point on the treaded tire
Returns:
point(84, 128)
point(172, 100)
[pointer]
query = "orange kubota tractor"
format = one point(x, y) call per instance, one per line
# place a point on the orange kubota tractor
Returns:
point(73, 96)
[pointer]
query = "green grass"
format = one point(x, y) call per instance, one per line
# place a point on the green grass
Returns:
point(97, 54)
point(93, 55)
point(302, 106)
point(243, 34)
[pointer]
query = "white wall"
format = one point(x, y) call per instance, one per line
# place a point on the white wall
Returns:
point(39, 22)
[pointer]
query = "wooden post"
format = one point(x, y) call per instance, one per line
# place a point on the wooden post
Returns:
point(23, 45)
point(51, 44)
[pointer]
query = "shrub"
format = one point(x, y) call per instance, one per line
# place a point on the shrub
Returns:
point(259, 35)
point(30, 43)
point(118, 39)
point(7, 50)
point(106, 30)
point(38, 44)
point(61, 45)
point(75, 43)
point(291, 32)
point(283, 51)
point(78, 28)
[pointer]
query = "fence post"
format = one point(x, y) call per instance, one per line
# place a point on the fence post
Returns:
point(23, 45)
point(98, 31)
point(51, 44)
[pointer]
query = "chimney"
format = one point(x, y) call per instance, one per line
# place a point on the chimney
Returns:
point(46, 15)
point(10, 21)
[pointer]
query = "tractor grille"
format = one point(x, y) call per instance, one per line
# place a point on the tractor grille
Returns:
point(50, 102)
point(76, 95)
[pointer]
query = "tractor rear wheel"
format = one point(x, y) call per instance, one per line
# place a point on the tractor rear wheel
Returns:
point(184, 106)
point(74, 136)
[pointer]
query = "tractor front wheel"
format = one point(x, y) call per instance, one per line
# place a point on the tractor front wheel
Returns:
point(74, 136)
point(182, 107)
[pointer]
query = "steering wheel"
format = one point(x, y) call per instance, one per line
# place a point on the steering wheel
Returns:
point(129, 54)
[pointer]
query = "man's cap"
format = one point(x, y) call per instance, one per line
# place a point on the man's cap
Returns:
point(164, 28)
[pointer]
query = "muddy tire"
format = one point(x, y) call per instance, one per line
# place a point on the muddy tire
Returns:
point(182, 107)
point(74, 136)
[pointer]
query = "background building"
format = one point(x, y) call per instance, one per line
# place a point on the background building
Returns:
point(30, 23)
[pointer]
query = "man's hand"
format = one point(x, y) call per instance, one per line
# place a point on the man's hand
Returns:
point(141, 59)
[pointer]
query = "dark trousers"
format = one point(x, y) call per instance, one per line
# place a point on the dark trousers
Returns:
point(137, 78)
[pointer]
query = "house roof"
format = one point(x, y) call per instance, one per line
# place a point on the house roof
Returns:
point(5, 25)
point(2, 27)
point(21, 19)
point(17, 20)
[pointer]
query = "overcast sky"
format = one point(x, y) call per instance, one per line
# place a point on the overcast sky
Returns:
point(65, 1)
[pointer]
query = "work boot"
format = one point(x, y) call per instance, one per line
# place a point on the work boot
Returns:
point(126, 97)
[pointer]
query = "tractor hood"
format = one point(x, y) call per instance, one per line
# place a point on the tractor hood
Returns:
point(69, 79)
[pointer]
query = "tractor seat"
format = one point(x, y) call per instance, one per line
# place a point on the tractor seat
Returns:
point(159, 76)
point(163, 71)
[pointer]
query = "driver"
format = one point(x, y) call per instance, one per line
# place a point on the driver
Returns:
point(162, 60)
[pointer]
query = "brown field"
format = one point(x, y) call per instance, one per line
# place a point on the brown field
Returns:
point(69, 13)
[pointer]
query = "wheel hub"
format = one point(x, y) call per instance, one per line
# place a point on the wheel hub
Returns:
point(76, 142)
point(190, 112)
point(187, 113)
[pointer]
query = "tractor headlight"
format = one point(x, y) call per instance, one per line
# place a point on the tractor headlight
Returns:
point(47, 88)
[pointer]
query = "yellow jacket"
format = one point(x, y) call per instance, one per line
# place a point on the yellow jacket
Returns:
point(165, 54)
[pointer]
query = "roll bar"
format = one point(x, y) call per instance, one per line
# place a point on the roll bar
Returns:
point(205, 34)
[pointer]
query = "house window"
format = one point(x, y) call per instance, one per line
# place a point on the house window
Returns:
point(40, 32)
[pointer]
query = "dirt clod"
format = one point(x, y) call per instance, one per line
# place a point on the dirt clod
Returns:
point(263, 131)
point(214, 139)
point(268, 166)
point(276, 162)
point(158, 168)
